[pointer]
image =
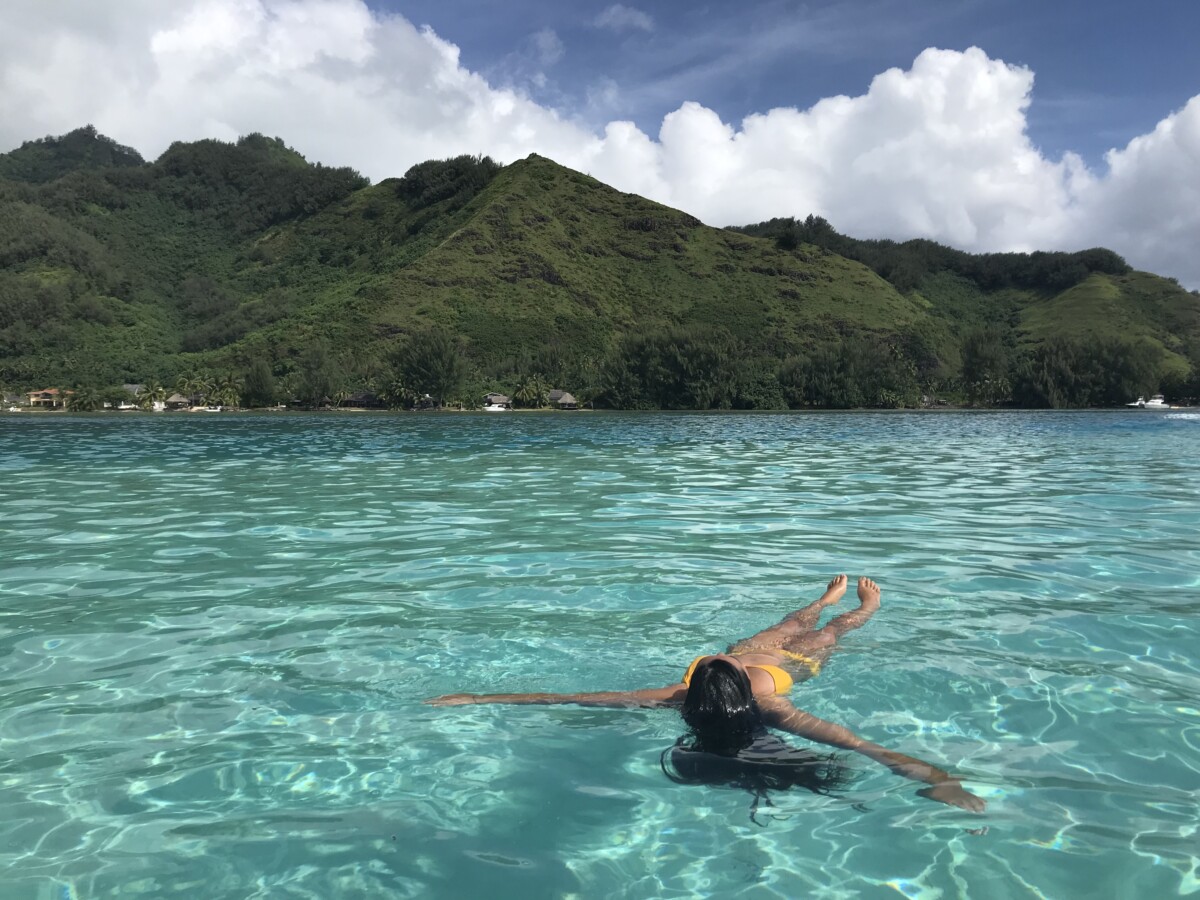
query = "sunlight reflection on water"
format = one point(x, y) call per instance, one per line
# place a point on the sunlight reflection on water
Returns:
point(214, 637)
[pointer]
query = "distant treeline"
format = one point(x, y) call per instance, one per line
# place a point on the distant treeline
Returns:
point(906, 264)
point(693, 369)
point(690, 368)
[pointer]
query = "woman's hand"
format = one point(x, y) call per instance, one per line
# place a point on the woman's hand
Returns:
point(452, 700)
point(954, 794)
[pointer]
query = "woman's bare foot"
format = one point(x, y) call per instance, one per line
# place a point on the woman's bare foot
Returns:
point(835, 590)
point(868, 593)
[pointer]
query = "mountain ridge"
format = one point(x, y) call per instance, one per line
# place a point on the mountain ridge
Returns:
point(217, 255)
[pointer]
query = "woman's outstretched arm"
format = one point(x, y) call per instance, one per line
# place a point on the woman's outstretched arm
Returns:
point(650, 697)
point(943, 787)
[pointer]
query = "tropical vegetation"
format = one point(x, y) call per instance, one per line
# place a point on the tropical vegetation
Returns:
point(241, 274)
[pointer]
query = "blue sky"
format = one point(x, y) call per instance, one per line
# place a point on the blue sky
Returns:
point(1105, 71)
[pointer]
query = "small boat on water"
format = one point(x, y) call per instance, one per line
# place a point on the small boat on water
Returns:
point(1156, 401)
point(496, 407)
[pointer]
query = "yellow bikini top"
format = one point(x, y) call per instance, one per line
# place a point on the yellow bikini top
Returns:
point(783, 681)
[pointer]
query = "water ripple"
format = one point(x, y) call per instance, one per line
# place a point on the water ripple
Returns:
point(215, 633)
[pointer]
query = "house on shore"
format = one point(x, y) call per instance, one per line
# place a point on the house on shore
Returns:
point(563, 400)
point(178, 401)
point(48, 398)
point(496, 401)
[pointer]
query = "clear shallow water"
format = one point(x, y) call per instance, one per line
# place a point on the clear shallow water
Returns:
point(215, 633)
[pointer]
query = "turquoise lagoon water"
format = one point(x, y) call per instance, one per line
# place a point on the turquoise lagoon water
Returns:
point(216, 633)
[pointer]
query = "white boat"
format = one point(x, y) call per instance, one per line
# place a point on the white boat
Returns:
point(495, 407)
point(1156, 401)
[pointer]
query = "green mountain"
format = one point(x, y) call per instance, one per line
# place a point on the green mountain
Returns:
point(54, 157)
point(232, 258)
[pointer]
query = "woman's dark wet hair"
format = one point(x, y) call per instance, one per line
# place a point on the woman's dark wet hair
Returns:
point(729, 744)
point(720, 707)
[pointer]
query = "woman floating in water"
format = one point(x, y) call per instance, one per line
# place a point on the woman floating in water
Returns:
point(729, 699)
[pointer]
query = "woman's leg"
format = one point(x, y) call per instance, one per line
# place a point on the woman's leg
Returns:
point(819, 644)
point(800, 622)
point(806, 619)
point(868, 605)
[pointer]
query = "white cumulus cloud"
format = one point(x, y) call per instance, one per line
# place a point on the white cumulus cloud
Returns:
point(1147, 205)
point(938, 150)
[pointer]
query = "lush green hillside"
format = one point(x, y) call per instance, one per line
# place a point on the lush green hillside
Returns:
point(246, 259)
point(54, 157)
point(1030, 306)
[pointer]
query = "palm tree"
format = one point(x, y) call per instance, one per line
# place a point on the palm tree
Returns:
point(228, 391)
point(541, 391)
point(191, 386)
point(532, 391)
point(207, 386)
point(526, 392)
point(396, 394)
point(153, 393)
point(84, 399)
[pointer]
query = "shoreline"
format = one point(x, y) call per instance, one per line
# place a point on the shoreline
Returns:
point(359, 410)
